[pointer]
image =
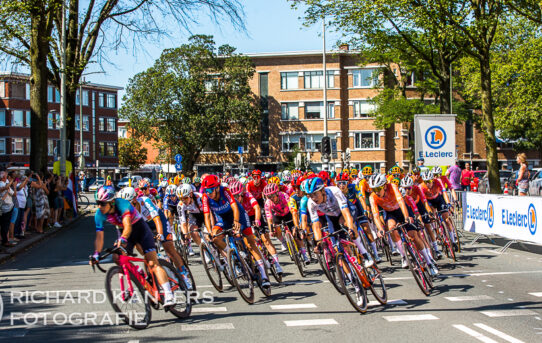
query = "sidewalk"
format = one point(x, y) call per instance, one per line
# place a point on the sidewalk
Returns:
point(33, 238)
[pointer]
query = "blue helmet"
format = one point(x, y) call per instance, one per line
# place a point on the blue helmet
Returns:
point(313, 185)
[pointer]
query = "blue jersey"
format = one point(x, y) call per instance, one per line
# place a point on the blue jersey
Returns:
point(170, 201)
point(222, 205)
point(123, 208)
point(303, 208)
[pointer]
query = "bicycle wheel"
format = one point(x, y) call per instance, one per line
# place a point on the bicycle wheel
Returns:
point(330, 269)
point(183, 306)
point(310, 248)
point(386, 250)
point(294, 252)
point(210, 264)
point(82, 202)
point(351, 284)
point(241, 277)
point(417, 270)
point(377, 285)
point(134, 309)
point(447, 244)
point(268, 260)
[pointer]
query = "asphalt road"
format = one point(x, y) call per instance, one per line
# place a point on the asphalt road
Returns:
point(483, 297)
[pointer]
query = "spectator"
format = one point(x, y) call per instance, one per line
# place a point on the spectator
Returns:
point(6, 207)
point(40, 208)
point(467, 176)
point(454, 175)
point(421, 165)
point(56, 202)
point(523, 175)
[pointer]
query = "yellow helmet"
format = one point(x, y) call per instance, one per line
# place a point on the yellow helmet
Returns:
point(396, 181)
point(395, 170)
point(274, 179)
point(354, 172)
point(367, 170)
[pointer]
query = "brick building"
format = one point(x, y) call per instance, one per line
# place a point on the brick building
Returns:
point(290, 88)
point(99, 108)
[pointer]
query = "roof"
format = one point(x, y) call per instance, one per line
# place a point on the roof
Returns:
point(301, 53)
point(86, 84)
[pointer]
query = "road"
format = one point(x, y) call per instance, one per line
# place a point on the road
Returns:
point(483, 297)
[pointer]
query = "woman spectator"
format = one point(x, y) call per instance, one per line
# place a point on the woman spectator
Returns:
point(40, 208)
point(522, 180)
point(454, 175)
point(6, 207)
point(21, 201)
point(467, 175)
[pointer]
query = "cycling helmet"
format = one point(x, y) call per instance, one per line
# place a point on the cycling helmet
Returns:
point(377, 180)
point(286, 172)
point(416, 170)
point(303, 185)
point(243, 180)
point(186, 180)
point(287, 178)
point(396, 181)
point(163, 184)
point(426, 176)
point(395, 170)
point(256, 172)
point(184, 190)
point(171, 189)
point(143, 183)
point(332, 175)
point(274, 180)
point(197, 180)
point(313, 185)
point(128, 193)
point(353, 172)
point(367, 171)
point(437, 171)
point(343, 177)
point(407, 182)
point(270, 189)
point(229, 180)
point(267, 175)
point(236, 187)
point(324, 175)
point(105, 194)
point(210, 181)
point(403, 191)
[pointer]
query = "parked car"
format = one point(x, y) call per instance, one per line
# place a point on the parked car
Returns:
point(124, 182)
point(504, 176)
point(99, 182)
point(535, 183)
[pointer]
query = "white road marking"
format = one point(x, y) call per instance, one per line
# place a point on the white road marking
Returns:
point(209, 309)
point(390, 302)
point(411, 317)
point(310, 322)
point(292, 306)
point(510, 299)
point(501, 292)
point(484, 280)
point(536, 294)
point(508, 313)
point(205, 327)
point(469, 298)
point(498, 333)
point(489, 285)
point(474, 334)
point(133, 341)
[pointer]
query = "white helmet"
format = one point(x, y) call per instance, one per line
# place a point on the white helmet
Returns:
point(163, 184)
point(437, 171)
point(128, 193)
point(170, 190)
point(286, 172)
point(407, 182)
point(184, 190)
point(243, 180)
point(426, 175)
point(377, 180)
point(403, 191)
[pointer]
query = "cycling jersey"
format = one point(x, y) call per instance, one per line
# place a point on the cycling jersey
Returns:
point(417, 194)
point(170, 202)
point(434, 191)
point(277, 209)
point(390, 201)
point(123, 208)
point(445, 182)
point(334, 203)
point(149, 211)
point(220, 206)
point(294, 203)
point(256, 191)
point(248, 204)
point(195, 207)
point(288, 189)
point(411, 204)
point(363, 189)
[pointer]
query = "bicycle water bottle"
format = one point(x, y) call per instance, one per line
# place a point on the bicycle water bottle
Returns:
point(354, 261)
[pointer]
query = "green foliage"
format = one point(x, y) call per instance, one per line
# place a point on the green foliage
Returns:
point(192, 97)
point(131, 154)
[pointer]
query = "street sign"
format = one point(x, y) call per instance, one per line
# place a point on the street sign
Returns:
point(347, 157)
point(178, 158)
point(178, 167)
point(240, 150)
point(435, 139)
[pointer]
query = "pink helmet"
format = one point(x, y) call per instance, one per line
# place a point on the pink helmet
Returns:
point(270, 189)
point(236, 187)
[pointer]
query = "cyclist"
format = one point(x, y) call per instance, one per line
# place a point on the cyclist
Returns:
point(388, 197)
point(190, 210)
point(157, 223)
point(277, 211)
point(332, 202)
point(300, 220)
point(228, 213)
point(395, 172)
point(196, 182)
point(256, 186)
point(287, 185)
point(135, 230)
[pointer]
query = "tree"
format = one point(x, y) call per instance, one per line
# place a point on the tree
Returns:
point(131, 154)
point(193, 97)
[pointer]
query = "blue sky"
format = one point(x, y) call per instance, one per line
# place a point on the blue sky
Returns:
point(271, 26)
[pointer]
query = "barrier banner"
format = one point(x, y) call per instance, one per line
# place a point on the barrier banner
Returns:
point(435, 139)
point(506, 216)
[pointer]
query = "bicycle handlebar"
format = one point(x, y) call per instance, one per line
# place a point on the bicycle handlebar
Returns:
point(109, 251)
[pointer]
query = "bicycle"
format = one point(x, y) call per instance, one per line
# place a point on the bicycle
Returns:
point(165, 257)
point(268, 258)
point(178, 241)
point(440, 229)
point(82, 201)
point(327, 255)
point(213, 262)
point(293, 250)
point(146, 292)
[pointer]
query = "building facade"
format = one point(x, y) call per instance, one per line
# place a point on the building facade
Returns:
point(97, 103)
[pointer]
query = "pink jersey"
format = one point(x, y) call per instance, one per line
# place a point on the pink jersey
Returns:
point(279, 209)
point(412, 204)
point(248, 204)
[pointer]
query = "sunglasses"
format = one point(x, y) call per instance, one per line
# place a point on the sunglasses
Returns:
point(102, 203)
point(378, 189)
point(407, 188)
point(210, 190)
point(342, 183)
point(314, 195)
point(143, 188)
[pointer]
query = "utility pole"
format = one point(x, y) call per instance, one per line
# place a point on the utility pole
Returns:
point(63, 93)
point(325, 157)
point(81, 157)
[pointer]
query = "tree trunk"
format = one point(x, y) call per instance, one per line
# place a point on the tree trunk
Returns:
point(489, 126)
point(444, 90)
point(70, 125)
point(39, 48)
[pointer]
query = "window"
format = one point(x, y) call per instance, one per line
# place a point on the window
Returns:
point(123, 132)
point(313, 110)
point(85, 98)
point(233, 142)
point(410, 79)
point(290, 111)
point(313, 142)
point(2, 89)
point(111, 125)
point(50, 147)
point(111, 100)
point(289, 80)
point(17, 118)
point(77, 122)
point(101, 124)
point(290, 142)
point(57, 120)
point(366, 140)
point(85, 123)
point(315, 79)
point(77, 97)
point(102, 148)
point(27, 141)
point(101, 99)
point(2, 146)
point(50, 121)
point(27, 123)
point(17, 90)
point(50, 93)
point(366, 77)
point(17, 147)
point(57, 95)
point(27, 92)
point(363, 108)
point(2, 118)
point(76, 147)
point(330, 110)
point(86, 148)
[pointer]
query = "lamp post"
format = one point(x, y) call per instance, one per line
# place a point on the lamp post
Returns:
point(63, 93)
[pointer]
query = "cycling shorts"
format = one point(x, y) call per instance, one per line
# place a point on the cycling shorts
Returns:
point(399, 218)
point(142, 235)
point(196, 219)
point(167, 236)
point(438, 203)
point(423, 212)
point(286, 220)
point(225, 221)
point(334, 223)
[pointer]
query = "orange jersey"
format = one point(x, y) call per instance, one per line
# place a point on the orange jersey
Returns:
point(390, 202)
point(433, 192)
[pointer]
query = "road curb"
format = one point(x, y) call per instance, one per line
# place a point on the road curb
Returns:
point(31, 242)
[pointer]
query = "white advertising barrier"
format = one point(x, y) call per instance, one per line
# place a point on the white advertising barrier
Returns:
point(506, 216)
point(435, 139)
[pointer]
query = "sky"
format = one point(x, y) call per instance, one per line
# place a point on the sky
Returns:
point(271, 26)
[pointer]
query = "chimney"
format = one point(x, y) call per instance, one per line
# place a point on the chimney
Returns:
point(344, 47)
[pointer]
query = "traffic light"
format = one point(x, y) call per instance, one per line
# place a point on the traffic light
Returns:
point(326, 145)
